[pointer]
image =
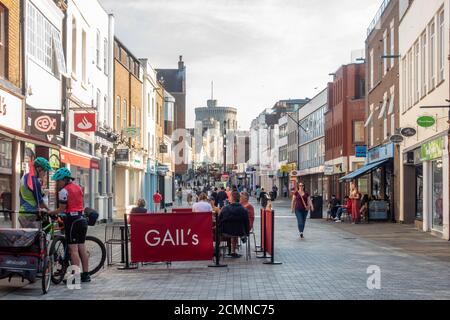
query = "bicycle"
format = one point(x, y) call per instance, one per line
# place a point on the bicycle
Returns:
point(60, 256)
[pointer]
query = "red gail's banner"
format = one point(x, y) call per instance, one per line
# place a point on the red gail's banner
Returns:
point(171, 237)
point(266, 230)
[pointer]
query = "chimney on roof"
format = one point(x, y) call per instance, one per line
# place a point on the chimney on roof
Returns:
point(181, 63)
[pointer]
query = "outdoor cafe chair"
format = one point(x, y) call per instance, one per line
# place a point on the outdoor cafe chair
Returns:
point(114, 236)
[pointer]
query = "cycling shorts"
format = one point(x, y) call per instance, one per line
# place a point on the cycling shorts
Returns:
point(75, 227)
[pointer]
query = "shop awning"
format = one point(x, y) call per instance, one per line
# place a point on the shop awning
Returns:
point(78, 159)
point(364, 170)
point(22, 136)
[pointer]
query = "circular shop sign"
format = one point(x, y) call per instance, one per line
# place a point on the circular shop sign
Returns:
point(426, 121)
point(396, 138)
point(408, 132)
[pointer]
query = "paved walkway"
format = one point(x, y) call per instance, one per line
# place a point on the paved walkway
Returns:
point(330, 264)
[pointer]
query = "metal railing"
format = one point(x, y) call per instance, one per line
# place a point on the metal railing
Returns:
point(378, 15)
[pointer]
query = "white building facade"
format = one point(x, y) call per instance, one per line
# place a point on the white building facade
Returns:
point(89, 99)
point(149, 128)
point(312, 143)
point(424, 75)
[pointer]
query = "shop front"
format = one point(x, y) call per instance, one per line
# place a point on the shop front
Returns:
point(333, 171)
point(376, 180)
point(17, 150)
point(129, 177)
point(435, 186)
point(151, 180)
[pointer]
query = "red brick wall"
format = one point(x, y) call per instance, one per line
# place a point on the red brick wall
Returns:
point(345, 107)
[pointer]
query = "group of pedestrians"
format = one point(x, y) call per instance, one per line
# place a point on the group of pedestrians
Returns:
point(355, 205)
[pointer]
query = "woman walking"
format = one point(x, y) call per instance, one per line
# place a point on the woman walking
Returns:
point(301, 204)
point(180, 197)
point(355, 198)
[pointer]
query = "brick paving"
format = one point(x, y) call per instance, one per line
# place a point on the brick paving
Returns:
point(330, 264)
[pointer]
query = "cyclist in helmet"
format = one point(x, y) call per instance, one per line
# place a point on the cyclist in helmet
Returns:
point(75, 225)
point(32, 201)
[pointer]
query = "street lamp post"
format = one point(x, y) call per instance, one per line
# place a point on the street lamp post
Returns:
point(224, 146)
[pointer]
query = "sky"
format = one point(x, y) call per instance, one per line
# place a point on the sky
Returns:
point(257, 52)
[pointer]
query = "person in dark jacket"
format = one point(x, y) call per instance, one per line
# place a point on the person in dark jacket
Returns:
point(140, 208)
point(221, 197)
point(215, 195)
point(233, 222)
point(264, 198)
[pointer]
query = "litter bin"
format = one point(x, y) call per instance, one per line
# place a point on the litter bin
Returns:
point(318, 207)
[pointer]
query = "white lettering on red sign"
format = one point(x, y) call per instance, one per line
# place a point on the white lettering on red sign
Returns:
point(153, 238)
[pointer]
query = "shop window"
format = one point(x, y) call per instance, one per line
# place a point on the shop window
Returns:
point(358, 131)
point(84, 57)
point(74, 46)
point(376, 184)
point(132, 187)
point(419, 192)
point(3, 43)
point(437, 199)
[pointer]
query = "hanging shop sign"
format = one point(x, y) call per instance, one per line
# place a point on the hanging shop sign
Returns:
point(122, 155)
point(432, 150)
point(426, 121)
point(45, 123)
point(11, 111)
point(360, 151)
point(396, 138)
point(131, 132)
point(54, 159)
point(408, 132)
point(163, 148)
point(84, 122)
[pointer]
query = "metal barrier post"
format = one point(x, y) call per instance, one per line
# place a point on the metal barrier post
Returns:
point(217, 247)
point(263, 235)
point(127, 260)
point(272, 258)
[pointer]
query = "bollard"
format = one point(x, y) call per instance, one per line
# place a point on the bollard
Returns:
point(272, 257)
point(263, 235)
point(259, 249)
point(217, 247)
point(127, 260)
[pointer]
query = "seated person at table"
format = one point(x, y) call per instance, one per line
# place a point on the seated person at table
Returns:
point(250, 209)
point(140, 208)
point(202, 205)
point(345, 208)
point(333, 206)
point(233, 222)
point(364, 208)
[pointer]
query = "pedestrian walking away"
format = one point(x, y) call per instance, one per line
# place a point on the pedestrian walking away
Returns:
point(301, 205)
point(264, 198)
point(157, 198)
point(180, 197)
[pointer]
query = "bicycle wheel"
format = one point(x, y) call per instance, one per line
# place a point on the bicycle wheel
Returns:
point(97, 254)
point(58, 259)
point(46, 275)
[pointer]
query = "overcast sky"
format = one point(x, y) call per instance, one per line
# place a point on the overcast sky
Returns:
point(256, 51)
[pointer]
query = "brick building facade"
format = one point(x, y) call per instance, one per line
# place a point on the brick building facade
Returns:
point(382, 107)
point(344, 127)
point(128, 114)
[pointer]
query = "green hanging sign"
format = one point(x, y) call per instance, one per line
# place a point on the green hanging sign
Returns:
point(426, 121)
point(432, 150)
